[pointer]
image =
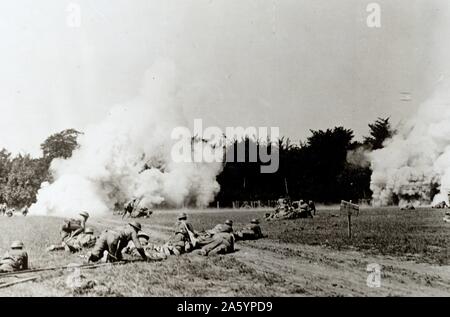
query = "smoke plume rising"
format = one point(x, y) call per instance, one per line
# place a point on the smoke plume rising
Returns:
point(128, 155)
point(417, 158)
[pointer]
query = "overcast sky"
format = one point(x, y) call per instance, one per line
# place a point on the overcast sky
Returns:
point(296, 64)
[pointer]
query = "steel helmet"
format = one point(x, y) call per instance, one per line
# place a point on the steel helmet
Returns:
point(142, 234)
point(182, 216)
point(229, 222)
point(89, 230)
point(84, 214)
point(136, 225)
point(17, 244)
point(255, 221)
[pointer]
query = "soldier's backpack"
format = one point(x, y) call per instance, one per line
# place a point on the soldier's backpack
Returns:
point(72, 224)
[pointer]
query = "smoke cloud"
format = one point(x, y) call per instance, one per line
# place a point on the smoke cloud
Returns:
point(414, 166)
point(417, 159)
point(128, 155)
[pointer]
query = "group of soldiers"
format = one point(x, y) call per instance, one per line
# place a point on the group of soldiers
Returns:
point(286, 209)
point(5, 211)
point(112, 244)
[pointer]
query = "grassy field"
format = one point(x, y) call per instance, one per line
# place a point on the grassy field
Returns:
point(299, 257)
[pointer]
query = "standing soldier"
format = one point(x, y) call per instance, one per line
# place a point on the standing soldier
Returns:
point(15, 259)
point(72, 227)
point(251, 232)
point(114, 241)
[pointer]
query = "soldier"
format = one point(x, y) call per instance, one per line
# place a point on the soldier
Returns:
point(73, 227)
point(3, 208)
point(305, 210)
point(114, 241)
point(226, 227)
point(131, 248)
point(143, 212)
point(129, 207)
point(251, 232)
point(24, 211)
point(84, 240)
point(183, 239)
point(222, 243)
point(14, 260)
point(312, 207)
point(10, 212)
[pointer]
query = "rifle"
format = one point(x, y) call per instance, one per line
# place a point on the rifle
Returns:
point(3, 285)
point(191, 235)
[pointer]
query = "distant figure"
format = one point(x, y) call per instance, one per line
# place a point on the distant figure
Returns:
point(25, 211)
point(312, 207)
point(250, 232)
point(10, 212)
point(3, 209)
point(408, 206)
point(129, 207)
point(15, 259)
point(441, 205)
point(114, 241)
point(143, 212)
point(74, 226)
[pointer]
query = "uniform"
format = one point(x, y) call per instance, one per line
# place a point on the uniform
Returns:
point(15, 259)
point(129, 207)
point(180, 242)
point(74, 226)
point(114, 241)
point(80, 242)
point(131, 248)
point(221, 228)
point(251, 232)
point(209, 236)
point(222, 243)
point(312, 207)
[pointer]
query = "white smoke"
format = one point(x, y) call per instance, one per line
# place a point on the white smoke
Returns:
point(417, 158)
point(128, 155)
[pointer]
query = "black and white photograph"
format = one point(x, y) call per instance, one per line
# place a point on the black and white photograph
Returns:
point(221, 149)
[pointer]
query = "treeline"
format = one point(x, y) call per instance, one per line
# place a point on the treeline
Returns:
point(21, 176)
point(318, 169)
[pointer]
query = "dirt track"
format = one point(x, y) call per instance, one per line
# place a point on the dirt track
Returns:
point(319, 271)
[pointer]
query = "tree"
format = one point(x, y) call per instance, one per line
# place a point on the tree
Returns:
point(24, 180)
point(326, 156)
point(60, 145)
point(5, 167)
point(380, 131)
